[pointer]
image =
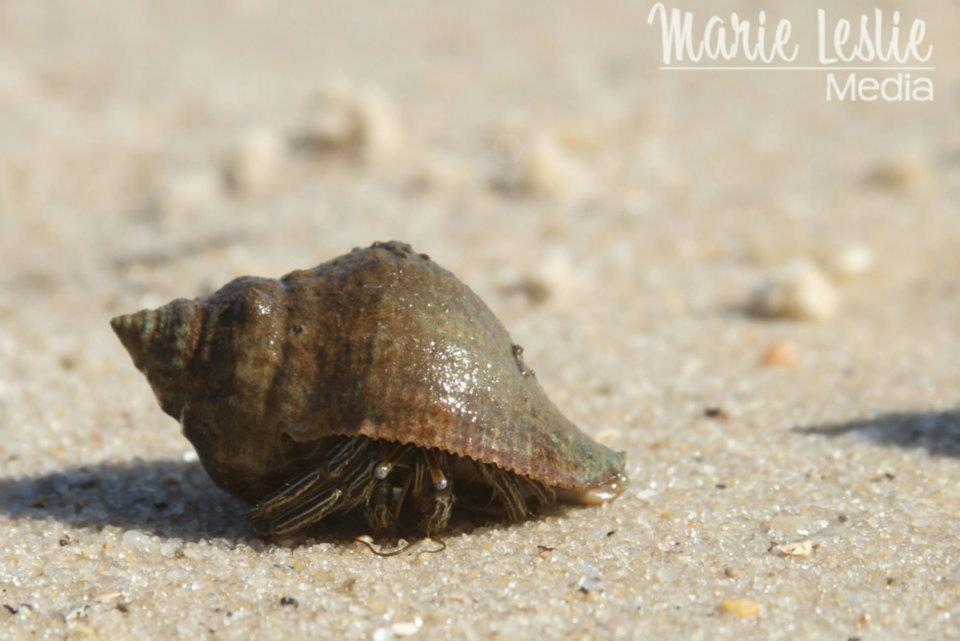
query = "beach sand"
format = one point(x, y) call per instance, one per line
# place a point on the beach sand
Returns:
point(793, 461)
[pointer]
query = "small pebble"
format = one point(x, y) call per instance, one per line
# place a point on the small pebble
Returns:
point(437, 173)
point(541, 168)
point(589, 584)
point(797, 526)
point(139, 541)
point(591, 581)
point(741, 607)
point(184, 193)
point(717, 412)
point(909, 172)
point(781, 354)
point(107, 597)
point(254, 166)
point(798, 548)
point(289, 601)
point(75, 613)
point(361, 123)
point(529, 288)
point(383, 634)
point(406, 628)
point(554, 279)
point(851, 261)
point(800, 291)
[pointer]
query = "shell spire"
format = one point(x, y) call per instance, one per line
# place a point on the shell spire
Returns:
point(162, 343)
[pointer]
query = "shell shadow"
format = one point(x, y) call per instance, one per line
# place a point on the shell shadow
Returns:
point(938, 432)
point(169, 498)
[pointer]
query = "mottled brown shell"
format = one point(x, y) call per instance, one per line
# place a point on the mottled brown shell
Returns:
point(381, 342)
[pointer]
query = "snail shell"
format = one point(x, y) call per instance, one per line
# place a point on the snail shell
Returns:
point(267, 377)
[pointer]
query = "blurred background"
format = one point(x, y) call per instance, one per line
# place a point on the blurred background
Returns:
point(751, 290)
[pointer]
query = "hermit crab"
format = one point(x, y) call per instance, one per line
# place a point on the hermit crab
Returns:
point(375, 384)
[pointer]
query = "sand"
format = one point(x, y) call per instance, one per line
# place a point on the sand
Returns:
point(793, 475)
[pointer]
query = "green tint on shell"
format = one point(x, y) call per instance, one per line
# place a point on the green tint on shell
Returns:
point(381, 343)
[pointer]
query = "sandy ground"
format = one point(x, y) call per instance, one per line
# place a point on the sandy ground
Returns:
point(617, 219)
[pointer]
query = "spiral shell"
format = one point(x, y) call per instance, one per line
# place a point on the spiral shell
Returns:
point(381, 343)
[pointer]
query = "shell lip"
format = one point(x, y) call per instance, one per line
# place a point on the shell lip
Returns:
point(596, 493)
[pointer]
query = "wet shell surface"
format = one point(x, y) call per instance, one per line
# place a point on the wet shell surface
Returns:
point(375, 383)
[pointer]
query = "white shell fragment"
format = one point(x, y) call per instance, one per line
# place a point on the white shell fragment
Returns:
point(851, 261)
point(361, 123)
point(799, 291)
point(254, 165)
